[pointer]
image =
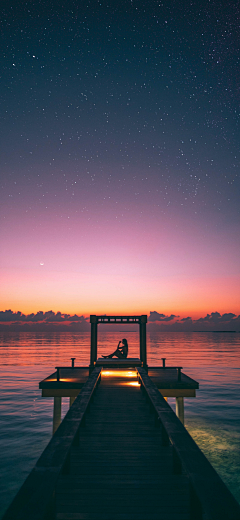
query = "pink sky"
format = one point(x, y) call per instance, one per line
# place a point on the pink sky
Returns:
point(104, 265)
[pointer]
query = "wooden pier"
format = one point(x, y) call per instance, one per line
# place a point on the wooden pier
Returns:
point(121, 453)
point(120, 469)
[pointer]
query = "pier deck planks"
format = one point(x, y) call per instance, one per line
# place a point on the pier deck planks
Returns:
point(168, 378)
point(120, 470)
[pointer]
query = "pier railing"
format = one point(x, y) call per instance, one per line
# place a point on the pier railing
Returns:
point(35, 499)
point(210, 498)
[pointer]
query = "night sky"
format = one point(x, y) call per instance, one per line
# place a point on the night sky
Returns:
point(120, 157)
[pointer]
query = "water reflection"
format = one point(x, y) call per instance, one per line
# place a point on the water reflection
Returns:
point(222, 448)
point(213, 418)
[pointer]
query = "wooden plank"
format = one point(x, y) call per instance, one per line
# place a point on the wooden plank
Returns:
point(121, 516)
point(114, 515)
point(127, 507)
point(92, 482)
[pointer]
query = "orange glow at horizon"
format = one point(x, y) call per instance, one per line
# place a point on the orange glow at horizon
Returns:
point(133, 271)
point(72, 293)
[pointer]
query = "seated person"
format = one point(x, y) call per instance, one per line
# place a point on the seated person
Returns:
point(121, 352)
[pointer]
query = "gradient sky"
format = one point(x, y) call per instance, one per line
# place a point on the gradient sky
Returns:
point(120, 157)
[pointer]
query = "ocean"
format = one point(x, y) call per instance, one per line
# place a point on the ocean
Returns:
point(212, 418)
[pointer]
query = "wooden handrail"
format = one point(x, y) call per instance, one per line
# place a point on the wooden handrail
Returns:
point(35, 499)
point(71, 368)
point(66, 368)
point(210, 499)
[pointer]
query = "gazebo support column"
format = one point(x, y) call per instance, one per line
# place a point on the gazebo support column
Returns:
point(93, 357)
point(143, 340)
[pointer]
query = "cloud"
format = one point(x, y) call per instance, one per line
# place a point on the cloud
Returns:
point(211, 322)
point(170, 318)
point(42, 321)
point(155, 316)
point(216, 317)
point(10, 315)
point(40, 316)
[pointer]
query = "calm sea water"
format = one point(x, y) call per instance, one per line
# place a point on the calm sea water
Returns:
point(212, 418)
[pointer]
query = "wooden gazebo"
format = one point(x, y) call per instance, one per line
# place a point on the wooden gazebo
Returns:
point(141, 320)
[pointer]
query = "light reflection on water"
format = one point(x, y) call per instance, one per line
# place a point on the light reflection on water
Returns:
point(213, 418)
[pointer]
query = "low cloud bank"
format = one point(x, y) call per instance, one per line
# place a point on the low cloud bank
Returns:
point(50, 321)
point(39, 316)
point(42, 321)
point(214, 321)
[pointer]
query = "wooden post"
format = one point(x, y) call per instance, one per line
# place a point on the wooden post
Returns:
point(71, 400)
point(179, 373)
point(180, 408)
point(93, 321)
point(143, 340)
point(56, 413)
point(140, 340)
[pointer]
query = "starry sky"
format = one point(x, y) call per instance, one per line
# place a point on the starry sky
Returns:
point(120, 157)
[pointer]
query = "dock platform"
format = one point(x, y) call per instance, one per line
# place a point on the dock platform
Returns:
point(68, 382)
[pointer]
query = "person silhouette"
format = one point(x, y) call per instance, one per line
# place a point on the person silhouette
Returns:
point(120, 352)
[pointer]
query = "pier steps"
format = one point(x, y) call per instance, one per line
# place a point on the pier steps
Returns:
point(120, 470)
